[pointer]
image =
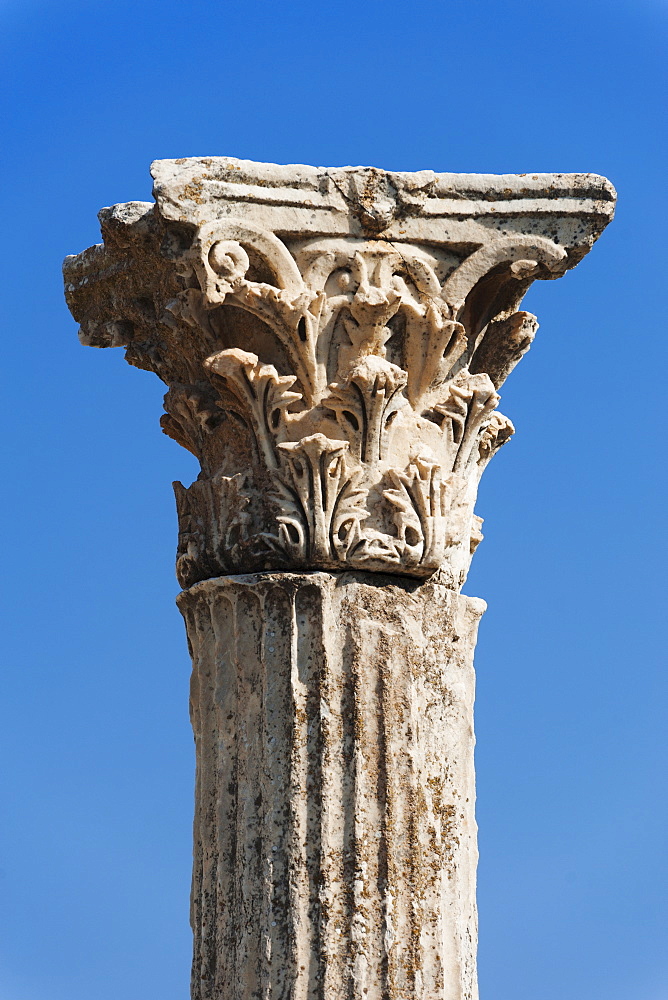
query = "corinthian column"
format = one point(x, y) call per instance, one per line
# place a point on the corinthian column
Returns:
point(332, 342)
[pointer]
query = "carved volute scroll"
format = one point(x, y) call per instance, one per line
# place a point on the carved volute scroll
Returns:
point(332, 341)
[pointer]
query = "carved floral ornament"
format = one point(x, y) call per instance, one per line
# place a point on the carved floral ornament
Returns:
point(378, 469)
point(339, 391)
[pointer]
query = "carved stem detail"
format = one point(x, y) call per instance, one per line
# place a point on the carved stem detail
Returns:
point(333, 342)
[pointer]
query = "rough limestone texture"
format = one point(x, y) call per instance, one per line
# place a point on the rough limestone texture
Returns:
point(335, 833)
point(332, 341)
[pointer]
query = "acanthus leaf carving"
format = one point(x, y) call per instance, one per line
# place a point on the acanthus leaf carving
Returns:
point(372, 306)
point(263, 396)
point(366, 404)
point(466, 412)
point(437, 344)
point(419, 496)
point(505, 343)
point(317, 331)
point(321, 485)
point(190, 415)
point(320, 502)
point(221, 263)
point(499, 430)
point(214, 522)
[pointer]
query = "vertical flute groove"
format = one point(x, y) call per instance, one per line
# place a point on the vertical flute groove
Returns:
point(348, 807)
point(277, 653)
point(299, 898)
point(382, 874)
point(310, 652)
point(223, 738)
point(250, 803)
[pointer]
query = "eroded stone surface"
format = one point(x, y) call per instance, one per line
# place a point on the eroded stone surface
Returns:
point(335, 834)
point(332, 340)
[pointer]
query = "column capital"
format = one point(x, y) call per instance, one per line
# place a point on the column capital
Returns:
point(333, 341)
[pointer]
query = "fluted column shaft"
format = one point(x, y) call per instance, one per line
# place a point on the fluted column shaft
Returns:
point(335, 839)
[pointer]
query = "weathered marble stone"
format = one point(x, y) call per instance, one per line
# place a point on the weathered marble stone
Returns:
point(332, 342)
point(335, 834)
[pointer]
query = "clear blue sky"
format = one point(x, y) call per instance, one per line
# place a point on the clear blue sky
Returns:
point(95, 747)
